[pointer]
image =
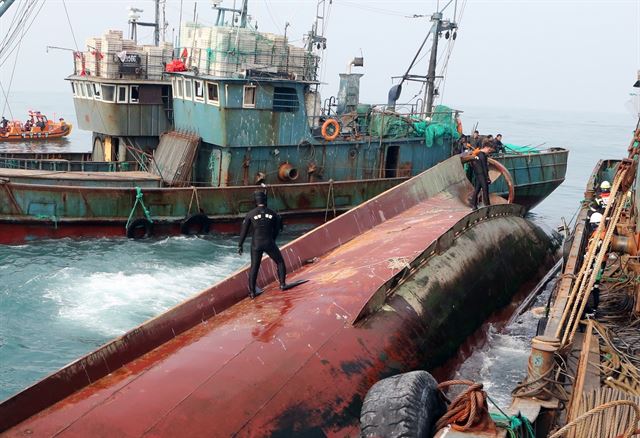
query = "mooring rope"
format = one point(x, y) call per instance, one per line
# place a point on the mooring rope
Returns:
point(631, 429)
point(139, 200)
point(467, 409)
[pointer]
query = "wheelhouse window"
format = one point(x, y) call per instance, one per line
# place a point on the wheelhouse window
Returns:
point(134, 94)
point(285, 99)
point(73, 88)
point(249, 100)
point(187, 89)
point(212, 93)
point(177, 88)
point(108, 93)
point(198, 91)
point(97, 92)
point(89, 87)
point(81, 90)
point(122, 93)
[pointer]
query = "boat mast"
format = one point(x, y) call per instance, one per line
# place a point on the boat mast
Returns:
point(439, 26)
point(134, 16)
point(243, 12)
point(156, 30)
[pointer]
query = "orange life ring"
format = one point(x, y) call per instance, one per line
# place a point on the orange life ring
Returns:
point(336, 129)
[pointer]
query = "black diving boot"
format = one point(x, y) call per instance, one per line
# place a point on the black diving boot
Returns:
point(255, 293)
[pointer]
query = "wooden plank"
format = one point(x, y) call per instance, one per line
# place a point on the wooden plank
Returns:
point(586, 354)
point(49, 174)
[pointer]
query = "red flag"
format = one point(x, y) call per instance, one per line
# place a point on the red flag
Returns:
point(184, 53)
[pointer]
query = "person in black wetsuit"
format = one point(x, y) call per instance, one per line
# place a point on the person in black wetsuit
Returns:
point(480, 168)
point(265, 225)
point(498, 145)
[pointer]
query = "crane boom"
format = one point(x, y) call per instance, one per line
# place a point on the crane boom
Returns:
point(4, 6)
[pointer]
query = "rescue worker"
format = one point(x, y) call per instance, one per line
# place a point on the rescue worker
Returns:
point(265, 225)
point(594, 298)
point(480, 167)
point(498, 145)
point(475, 142)
point(603, 197)
point(63, 125)
point(4, 123)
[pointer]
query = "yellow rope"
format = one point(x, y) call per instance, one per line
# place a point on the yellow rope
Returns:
point(597, 410)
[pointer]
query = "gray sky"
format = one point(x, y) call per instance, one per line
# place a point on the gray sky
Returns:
point(568, 55)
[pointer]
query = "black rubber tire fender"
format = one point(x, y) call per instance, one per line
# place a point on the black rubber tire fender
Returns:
point(405, 405)
point(197, 223)
point(140, 228)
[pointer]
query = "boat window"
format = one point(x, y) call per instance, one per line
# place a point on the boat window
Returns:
point(249, 100)
point(177, 89)
point(187, 89)
point(97, 92)
point(285, 99)
point(89, 90)
point(122, 94)
point(212, 93)
point(198, 91)
point(81, 90)
point(73, 88)
point(108, 93)
point(134, 94)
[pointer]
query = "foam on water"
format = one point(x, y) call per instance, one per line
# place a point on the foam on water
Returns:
point(60, 299)
point(502, 361)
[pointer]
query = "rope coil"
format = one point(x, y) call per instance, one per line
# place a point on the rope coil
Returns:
point(467, 409)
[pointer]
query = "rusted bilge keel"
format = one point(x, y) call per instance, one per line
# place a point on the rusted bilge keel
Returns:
point(395, 284)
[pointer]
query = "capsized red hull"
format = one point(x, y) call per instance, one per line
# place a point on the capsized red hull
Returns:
point(388, 292)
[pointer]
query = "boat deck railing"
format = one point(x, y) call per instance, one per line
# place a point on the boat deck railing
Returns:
point(382, 121)
point(122, 65)
point(61, 165)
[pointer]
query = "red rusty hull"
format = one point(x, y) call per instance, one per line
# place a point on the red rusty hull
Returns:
point(388, 292)
point(18, 232)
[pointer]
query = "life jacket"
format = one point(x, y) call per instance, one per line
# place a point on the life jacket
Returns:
point(604, 199)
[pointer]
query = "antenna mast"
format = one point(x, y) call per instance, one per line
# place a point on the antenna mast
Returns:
point(439, 26)
point(134, 16)
point(316, 36)
point(242, 12)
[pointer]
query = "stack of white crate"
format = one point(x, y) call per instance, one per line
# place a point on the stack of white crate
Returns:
point(130, 46)
point(111, 44)
point(225, 51)
point(92, 55)
point(152, 61)
point(101, 56)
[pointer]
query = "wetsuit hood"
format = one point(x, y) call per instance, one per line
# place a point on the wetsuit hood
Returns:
point(260, 198)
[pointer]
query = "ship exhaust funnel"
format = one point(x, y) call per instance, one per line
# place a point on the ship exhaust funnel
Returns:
point(394, 95)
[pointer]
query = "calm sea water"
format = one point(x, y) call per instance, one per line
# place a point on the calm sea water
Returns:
point(62, 299)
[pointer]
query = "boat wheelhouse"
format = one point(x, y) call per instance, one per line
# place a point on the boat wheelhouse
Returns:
point(121, 94)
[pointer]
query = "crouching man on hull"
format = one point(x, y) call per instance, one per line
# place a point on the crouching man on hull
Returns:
point(265, 225)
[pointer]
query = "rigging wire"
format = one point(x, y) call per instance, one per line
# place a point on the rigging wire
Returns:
point(64, 3)
point(16, 26)
point(13, 70)
point(6, 50)
point(273, 20)
point(374, 9)
point(443, 71)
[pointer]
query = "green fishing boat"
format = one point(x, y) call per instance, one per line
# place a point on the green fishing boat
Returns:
point(182, 137)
